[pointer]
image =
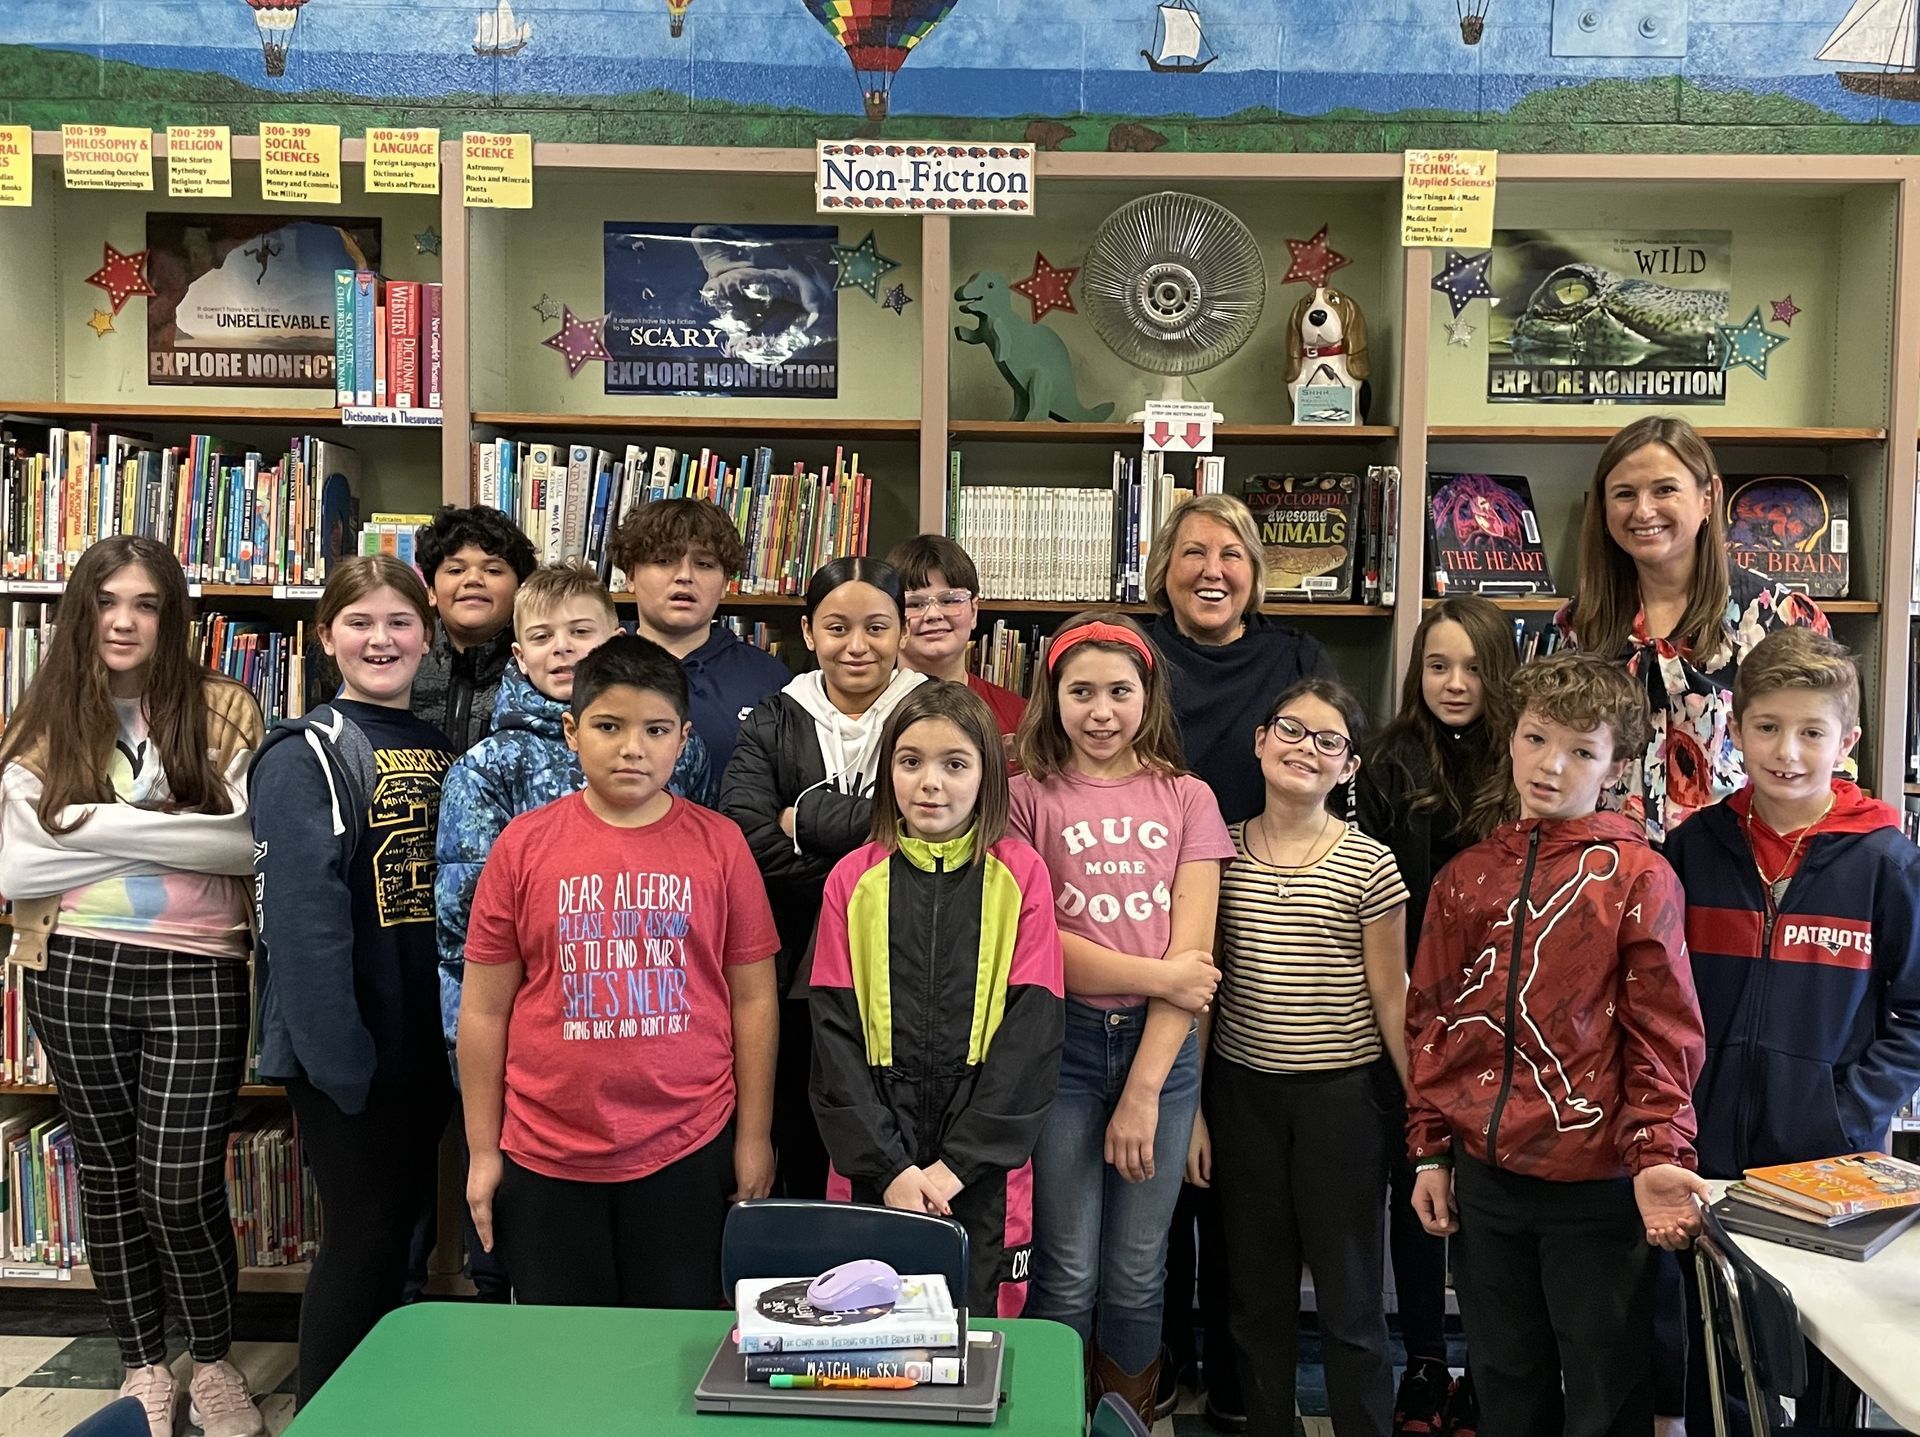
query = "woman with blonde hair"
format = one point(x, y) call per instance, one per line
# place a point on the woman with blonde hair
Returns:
point(1657, 592)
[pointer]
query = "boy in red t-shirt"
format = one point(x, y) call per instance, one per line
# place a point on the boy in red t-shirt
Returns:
point(620, 1018)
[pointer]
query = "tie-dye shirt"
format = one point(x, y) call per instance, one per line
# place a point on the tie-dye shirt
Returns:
point(186, 912)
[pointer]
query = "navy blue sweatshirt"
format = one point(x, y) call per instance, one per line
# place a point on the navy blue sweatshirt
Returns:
point(726, 679)
point(1812, 1014)
point(345, 802)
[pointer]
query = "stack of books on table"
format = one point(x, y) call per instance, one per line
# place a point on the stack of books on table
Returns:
point(1869, 1195)
point(782, 1335)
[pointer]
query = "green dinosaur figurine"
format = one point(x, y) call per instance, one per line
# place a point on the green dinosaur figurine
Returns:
point(1031, 357)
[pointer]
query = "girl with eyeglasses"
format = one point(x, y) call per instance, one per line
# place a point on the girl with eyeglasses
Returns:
point(1293, 1138)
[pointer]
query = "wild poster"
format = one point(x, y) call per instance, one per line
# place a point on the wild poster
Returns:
point(248, 299)
point(727, 310)
point(1604, 317)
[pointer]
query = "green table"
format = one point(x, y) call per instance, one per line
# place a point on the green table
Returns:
point(484, 1370)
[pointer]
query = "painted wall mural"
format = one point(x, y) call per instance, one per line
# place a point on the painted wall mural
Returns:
point(1832, 76)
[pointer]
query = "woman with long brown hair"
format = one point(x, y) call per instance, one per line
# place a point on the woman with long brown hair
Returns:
point(1657, 592)
point(123, 845)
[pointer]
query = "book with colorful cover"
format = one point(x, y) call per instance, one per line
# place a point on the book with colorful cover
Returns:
point(1483, 537)
point(1308, 524)
point(1753, 1197)
point(773, 1315)
point(1842, 1186)
point(1791, 530)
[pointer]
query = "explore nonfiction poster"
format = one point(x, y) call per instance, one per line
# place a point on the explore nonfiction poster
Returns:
point(1603, 317)
point(729, 310)
point(248, 299)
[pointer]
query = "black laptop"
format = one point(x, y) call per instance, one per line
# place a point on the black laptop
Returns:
point(1856, 1240)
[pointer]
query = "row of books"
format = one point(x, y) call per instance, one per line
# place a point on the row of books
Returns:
point(231, 516)
point(270, 1193)
point(569, 498)
point(1008, 654)
point(1834, 1190)
point(22, 1058)
point(1044, 544)
point(757, 632)
point(39, 1190)
point(781, 1334)
point(388, 341)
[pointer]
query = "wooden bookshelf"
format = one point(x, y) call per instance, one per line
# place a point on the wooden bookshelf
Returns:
point(291, 1278)
point(1600, 433)
point(1526, 604)
point(704, 424)
point(171, 413)
point(1030, 433)
point(1275, 610)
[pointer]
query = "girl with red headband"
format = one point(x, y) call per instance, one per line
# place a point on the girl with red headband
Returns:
point(1133, 845)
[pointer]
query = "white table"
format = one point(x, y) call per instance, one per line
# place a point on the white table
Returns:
point(1865, 1316)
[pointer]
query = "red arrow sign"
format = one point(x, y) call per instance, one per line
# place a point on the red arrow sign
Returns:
point(1194, 431)
point(1161, 433)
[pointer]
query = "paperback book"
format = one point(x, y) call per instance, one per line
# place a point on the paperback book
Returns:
point(919, 1364)
point(1843, 1186)
point(1483, 537)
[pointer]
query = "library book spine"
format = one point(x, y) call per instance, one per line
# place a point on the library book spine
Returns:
point(403, 344)
point(365, 286)
point(343, 337)
point(433, 344)
point(922, 1365)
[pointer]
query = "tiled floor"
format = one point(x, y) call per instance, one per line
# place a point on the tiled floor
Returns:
point(47, 1384)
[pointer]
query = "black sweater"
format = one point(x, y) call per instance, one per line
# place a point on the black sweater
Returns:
point(1423, 840)
point(1221, 694)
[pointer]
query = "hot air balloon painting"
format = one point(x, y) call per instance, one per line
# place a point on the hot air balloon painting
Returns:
point(878, 35)
point(275, 20)
point(677, 17)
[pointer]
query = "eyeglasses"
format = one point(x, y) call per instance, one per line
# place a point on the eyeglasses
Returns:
point(949, 602)
point(1325, 740)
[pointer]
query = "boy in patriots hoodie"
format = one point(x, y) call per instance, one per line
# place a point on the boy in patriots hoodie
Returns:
point(1803, 917)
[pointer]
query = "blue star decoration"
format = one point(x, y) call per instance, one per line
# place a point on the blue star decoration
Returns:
point(427, 241)
point(579, 341)
point(861, 266)
point(897, 299)
point(1748, 343)
point(1464, 279)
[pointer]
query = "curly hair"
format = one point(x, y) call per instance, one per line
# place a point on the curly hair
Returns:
point(453, 528)
point(662, 531)
point(1579, 691)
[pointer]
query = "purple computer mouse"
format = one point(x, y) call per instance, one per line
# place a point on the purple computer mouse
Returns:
point(852, 1285)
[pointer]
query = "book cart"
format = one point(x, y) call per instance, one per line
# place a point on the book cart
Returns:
point(1840, 233)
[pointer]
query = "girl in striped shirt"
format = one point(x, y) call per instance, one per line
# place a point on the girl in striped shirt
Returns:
point(1294, 1136)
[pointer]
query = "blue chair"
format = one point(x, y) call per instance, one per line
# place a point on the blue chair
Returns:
point(1751, 1323)
point(788, 1237)
point(123, 1417)
point(1112, 1417)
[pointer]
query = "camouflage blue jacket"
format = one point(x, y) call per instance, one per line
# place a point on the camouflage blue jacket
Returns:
point(523, 763)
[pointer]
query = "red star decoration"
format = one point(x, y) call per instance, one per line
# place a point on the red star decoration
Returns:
point(122, 276)
point(1784, 310)
point(1048, 288)
point(1313, 259)
point(580, 341)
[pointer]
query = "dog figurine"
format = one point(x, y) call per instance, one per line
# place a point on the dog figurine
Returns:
point(1327, 344)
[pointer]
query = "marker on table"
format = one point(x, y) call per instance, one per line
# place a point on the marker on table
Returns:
point(791, 1379)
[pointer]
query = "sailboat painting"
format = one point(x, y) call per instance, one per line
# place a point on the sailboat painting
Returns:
point(1181, 49)
point(498, 33)
point(1878, 32)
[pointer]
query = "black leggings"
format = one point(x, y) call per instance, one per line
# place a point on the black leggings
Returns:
point(1419, 1258)
point(376, 1171)
point(649, 1242)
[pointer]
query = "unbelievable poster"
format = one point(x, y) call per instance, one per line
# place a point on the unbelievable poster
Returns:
point(1606, 317)
point(731, 310)
point(248, 299)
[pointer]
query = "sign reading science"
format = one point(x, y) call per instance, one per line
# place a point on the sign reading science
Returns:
point(921, 177)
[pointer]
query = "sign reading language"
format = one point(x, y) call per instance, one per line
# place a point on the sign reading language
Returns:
point(403, 161)
point(1446, 198)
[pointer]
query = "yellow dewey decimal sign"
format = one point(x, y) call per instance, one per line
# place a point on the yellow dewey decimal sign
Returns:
point(199, 162)
point(106, 157)
point(496, 171)
point(403, 161)
point(1446, 198)
point(16, 165)
point(300, 163)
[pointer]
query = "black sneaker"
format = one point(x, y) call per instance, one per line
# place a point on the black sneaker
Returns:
point(1420, 1409)
point(1166, 1391)
point(1463, 1408)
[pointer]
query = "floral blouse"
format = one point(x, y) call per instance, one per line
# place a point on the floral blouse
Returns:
point(1691, 761)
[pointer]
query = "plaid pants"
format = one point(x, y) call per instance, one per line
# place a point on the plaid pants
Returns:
point(148, 1048)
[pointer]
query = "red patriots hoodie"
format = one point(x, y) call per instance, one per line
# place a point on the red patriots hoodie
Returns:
point(1551, 1027)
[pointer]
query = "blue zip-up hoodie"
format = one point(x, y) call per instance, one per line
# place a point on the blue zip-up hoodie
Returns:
point(726, 680)
point(1813, 1013)
point(522, 764)
point(344, 801)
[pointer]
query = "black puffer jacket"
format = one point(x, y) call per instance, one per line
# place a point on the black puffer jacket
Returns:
point(454, 690)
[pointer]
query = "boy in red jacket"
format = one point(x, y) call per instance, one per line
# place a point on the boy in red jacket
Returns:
point(1553, 1042)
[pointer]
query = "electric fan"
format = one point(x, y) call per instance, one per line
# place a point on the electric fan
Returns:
point(1173, 284)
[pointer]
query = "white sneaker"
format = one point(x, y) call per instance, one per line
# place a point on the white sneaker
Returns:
point(220, 1404)
point(158, 1393)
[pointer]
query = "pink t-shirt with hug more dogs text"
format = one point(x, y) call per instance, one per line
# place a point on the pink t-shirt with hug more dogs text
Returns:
point(1112, 848)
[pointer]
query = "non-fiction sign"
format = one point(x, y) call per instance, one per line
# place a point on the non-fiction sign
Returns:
point(923, 177)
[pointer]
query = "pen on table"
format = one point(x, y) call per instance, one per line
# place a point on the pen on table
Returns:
point(790, 1379)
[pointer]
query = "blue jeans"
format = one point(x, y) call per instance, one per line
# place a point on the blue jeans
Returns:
point(1100, 1242)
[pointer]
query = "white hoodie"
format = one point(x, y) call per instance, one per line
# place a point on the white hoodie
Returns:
point(850, 746)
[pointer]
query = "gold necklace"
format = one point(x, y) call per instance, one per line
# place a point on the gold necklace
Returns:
point(1769, 885)
point(1290, 872)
